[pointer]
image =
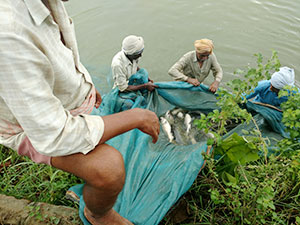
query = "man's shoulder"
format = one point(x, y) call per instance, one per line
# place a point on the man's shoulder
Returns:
point(118, 59)
point(190, 54)
point(189, 57)
point(264, 84)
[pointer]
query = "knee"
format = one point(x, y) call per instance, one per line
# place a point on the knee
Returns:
point(108, 174)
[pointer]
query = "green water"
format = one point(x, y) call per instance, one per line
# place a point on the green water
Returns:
point(239, 28)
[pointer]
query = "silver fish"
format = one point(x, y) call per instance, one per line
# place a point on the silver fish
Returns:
point(169, 117)
point(176, 111)
point(193, 140)
point(178, 136)
point(167, 128)
point(180, 115)
point(187, 122)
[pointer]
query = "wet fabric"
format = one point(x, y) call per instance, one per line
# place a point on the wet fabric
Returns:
point(157, 175)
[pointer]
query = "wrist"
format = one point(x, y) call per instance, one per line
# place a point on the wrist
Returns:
point(139, 115)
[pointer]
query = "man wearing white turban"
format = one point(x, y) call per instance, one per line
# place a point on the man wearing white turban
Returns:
point(267, 90)
point(125, 64)
point(196, 65)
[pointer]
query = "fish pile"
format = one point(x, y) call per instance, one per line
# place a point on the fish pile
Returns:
point(179, 128)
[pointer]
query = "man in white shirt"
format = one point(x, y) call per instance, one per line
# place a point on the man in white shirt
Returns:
point(46, 96)
point(125, 64)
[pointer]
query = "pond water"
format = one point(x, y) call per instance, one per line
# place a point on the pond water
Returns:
point(239, 29)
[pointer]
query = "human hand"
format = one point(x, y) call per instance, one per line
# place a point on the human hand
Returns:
point(214, 86)
point(149, 123)
point(193, 81)
point(98, 99)
point(150, 86)
point(150, 80)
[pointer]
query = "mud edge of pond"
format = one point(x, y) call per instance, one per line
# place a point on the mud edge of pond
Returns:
point(20, 211)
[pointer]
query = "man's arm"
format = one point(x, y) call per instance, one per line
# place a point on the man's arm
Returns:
point(119, 77)
point(214, 86)
point(217, 73)
point(119, 123)
point(176, 71)
point(255, 92)
point(121, 81)
point(149, 86)
point(98, 99)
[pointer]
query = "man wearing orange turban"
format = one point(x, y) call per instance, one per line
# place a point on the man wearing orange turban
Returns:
point(196, 65)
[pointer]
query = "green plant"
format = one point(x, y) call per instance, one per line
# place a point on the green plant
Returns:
point(291, 113)
point(231, 99)
point(238, 186)
point(22, 178)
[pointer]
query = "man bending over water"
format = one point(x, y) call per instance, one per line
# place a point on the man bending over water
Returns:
point(196, 65)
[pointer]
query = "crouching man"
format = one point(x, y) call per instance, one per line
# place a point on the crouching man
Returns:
point(46, 96)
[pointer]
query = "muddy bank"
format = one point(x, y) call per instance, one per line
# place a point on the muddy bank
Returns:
point(14, 211)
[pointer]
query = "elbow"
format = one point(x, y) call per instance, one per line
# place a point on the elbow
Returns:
point(219, 76)
point(122, 88)
point(170, 72)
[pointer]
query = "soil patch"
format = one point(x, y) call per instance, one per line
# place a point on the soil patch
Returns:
point(20, 211)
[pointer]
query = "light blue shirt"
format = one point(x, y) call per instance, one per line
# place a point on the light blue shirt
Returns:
point(263, 94)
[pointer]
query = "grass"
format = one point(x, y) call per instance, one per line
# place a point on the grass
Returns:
point(265, 193)
point(22, 178)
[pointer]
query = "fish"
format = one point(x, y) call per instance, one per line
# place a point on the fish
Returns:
point(169, 117)
point(167, 128)
point(178, 137)
point(176, 111)
point(180, 115)
point(187, 122)
point(193, 140)
point(192, 135)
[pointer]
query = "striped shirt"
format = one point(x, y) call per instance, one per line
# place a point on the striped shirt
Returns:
point(45, 92)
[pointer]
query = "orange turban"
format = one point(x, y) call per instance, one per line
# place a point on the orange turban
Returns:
point(204, 45)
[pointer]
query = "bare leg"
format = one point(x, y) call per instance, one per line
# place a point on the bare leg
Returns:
point(104, 172)
point(103, 168)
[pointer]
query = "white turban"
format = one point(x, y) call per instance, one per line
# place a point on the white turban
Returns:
point(285, 76)
point(132, 44)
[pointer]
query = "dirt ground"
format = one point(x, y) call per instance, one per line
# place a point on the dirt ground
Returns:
point(19, 211)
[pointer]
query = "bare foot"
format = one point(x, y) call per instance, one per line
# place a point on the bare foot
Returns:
point(110, 218)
